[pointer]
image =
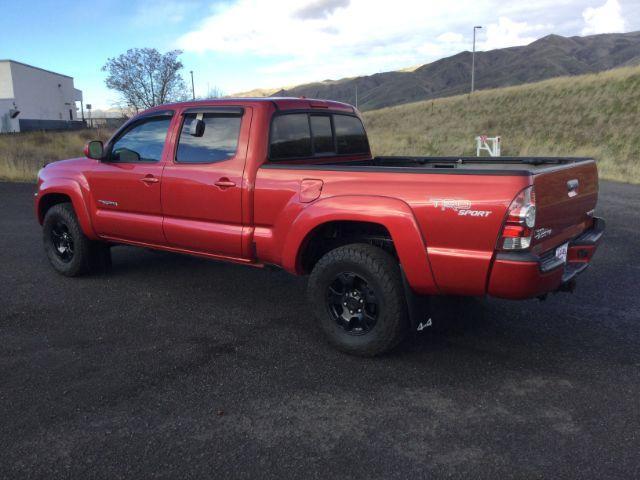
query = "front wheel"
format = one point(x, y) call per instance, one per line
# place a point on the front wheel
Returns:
point(69, 251)
point(357, 297)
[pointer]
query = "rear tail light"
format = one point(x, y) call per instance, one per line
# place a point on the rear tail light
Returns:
point(519, 222)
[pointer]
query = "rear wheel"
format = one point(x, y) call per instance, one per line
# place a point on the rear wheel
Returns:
point(357, 297)
point(69, 251)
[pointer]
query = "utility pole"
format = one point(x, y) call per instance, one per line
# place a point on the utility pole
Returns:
point(153, 96)
point(193, 89)
point(356, 95)
point(473, 58)
point(89, 112)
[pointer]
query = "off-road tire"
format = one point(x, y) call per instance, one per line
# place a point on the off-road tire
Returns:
point(87, 255)
point(382, 272)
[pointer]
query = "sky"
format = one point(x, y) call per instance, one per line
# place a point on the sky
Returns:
point(244, 44)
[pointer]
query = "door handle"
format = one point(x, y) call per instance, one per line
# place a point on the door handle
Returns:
point(225, 183)
point(149, 179)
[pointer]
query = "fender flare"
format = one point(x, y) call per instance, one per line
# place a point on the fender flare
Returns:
point(72, 189)
point(395, 215)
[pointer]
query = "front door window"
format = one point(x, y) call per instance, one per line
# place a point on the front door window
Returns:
point(141, 143)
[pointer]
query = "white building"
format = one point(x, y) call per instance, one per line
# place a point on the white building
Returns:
point(35, 99)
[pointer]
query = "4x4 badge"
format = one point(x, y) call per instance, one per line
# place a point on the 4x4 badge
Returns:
point(422, 326)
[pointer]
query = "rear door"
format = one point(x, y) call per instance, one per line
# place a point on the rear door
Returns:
point(202, 182)
point(125, 186)
point(565, 199)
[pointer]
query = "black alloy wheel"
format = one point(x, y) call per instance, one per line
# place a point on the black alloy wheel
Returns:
point(352, 303)
point(357, 296)
point(69, 251)
point(62, 241)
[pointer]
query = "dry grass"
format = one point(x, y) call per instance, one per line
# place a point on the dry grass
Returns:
point(590, 115)
point(23, 154)
point(594, 115)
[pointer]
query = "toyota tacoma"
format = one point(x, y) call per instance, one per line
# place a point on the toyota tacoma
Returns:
point(293, 183)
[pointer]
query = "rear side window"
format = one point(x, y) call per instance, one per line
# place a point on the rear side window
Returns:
point(322, 134)
point(218, 141)
point(350, 135)
point(290, 136)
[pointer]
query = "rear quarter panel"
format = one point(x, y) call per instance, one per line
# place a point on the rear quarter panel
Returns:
point(460, 247)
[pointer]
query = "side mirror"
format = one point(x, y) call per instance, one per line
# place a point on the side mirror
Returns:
point(196, 127)
point(93, 149)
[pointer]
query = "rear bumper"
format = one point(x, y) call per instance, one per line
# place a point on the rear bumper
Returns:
point(526, 275)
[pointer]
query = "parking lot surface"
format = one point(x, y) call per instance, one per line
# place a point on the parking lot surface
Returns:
point(178, 367)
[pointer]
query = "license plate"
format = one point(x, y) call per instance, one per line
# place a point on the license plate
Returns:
point(561, 252)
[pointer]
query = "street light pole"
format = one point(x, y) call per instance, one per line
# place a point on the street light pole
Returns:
point(193, 90)
point(473, 58)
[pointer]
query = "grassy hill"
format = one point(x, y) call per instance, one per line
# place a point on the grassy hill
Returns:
point(589, 115)
point(548, 57)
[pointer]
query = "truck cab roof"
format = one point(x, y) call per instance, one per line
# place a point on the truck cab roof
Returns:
point(280, 103)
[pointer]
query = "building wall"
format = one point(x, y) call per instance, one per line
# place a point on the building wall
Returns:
point(6, 99)
point(7, 124)
point(42, 95)
point(6, 85)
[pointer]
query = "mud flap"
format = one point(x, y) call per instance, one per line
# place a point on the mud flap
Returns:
point(418, 307)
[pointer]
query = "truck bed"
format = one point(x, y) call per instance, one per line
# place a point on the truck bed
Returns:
point(445, 165)
point(565, 189)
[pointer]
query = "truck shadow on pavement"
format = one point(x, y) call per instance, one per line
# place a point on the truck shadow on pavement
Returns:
point(479, 329)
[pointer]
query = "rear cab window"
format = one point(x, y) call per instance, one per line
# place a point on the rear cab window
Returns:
point(290, 136)
point(350, 135)
point(322, 132)
point(310, 134)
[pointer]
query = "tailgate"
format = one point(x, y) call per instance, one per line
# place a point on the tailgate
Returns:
point(565, 199)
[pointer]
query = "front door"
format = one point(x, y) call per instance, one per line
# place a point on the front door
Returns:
point(125, 186)
point(202, 183)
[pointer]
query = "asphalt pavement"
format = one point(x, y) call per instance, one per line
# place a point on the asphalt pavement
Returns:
point(177, 367)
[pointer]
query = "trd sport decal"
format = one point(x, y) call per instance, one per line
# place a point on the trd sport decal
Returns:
point(542, 232)
point(463, 207)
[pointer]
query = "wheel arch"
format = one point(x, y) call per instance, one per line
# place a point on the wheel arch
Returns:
point(61, 191)
point(379, 215)
point(49, 200)
point(330, 235)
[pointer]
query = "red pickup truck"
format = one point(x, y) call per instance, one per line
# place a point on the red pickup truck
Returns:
point(292, 183)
